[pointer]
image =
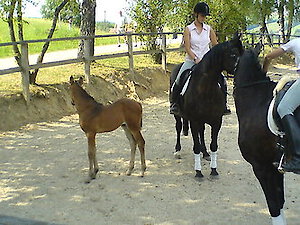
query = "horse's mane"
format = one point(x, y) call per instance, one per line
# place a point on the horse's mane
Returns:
point(250, 60)
point(85, 95)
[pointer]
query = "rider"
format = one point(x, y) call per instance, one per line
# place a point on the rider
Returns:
point(289, 104)
point(197, 37)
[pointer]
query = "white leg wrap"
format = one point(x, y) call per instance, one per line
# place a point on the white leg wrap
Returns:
point(197, 162)
point(213, 160)
point(278, 220)
point(283, 216)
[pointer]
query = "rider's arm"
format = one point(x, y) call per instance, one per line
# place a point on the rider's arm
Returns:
point(272, 55)
point(213, 37)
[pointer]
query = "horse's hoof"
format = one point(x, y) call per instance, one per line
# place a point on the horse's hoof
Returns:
point(214, 172)
point(87, 180)
point(177, 155)
point(185, 133)
point(128, 172)
point(207, 157)
point(199, 174)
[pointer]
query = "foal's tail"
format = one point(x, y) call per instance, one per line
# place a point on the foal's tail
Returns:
point(141, 122)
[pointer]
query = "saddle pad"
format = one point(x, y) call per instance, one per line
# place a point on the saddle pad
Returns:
point(271, 123)
point(186, 84)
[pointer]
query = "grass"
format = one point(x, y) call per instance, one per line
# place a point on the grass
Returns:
point(11, 84)
point(35, 29)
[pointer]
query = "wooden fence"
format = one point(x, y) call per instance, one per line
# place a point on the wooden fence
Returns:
point(250, 38)
point(86, 58)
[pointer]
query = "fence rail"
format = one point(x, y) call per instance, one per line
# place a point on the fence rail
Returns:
point(25, 67)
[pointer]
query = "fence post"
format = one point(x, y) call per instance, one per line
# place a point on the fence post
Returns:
point(86, 59)
point(130, 53)
point(164, 52)
point(25, 71)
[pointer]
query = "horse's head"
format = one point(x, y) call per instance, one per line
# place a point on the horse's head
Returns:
point(232, 51)
point(249, 68)
point(74, 84)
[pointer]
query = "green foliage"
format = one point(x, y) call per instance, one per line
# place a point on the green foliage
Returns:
point(228, 17)
point(38, 29)
point(104, 26)
point(70, 13)
point(150, 17)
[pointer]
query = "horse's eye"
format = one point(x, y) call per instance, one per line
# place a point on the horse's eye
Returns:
point(233, 55)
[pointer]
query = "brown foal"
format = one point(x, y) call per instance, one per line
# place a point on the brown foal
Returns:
point(96, 118)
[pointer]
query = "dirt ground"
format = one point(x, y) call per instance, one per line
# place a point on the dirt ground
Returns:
point(43, 166)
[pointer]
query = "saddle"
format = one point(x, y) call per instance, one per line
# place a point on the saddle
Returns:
point(277, 100)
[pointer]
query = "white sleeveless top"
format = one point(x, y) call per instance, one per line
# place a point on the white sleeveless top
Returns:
point(199, 41)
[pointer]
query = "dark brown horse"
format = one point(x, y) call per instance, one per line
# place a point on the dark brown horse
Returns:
point(204, 101)
point(253, 94)
point(96, 118)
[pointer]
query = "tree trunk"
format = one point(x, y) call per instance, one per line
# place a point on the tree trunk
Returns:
point(10, 21)
point(33, 75)
point(281, 20)
point(88, 24)
point(291, 10)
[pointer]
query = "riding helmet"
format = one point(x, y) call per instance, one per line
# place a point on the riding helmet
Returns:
point(202, 7)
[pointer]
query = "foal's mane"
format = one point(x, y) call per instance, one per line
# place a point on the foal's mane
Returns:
point(83, 93)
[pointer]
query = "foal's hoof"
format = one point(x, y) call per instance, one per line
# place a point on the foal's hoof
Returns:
point(87, 180)
point(177, 155)
point(128, 172)
point(199, 174)
point(214, 172)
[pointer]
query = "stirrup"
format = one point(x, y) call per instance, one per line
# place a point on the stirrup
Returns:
point(280, 168)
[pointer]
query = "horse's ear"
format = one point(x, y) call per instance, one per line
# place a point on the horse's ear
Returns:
point(257, 48)
point(71, 79)
point(237, 36)
point(80, 81)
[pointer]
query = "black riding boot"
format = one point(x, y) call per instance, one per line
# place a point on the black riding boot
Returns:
point(175, 93)
point(292, 130)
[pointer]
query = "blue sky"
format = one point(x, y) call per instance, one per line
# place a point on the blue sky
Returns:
point(105, 8)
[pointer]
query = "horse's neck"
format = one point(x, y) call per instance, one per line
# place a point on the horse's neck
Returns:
point(83, 101)
point(255, 97)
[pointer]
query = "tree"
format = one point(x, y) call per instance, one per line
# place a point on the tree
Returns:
point(286, 11)
point(15, 24)
point(150, 16)
point(88, 24)
point(71, 11)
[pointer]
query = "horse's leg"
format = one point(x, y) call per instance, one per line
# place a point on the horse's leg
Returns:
point(141, 144)
point(133, 144)
point(271, 182)
point(202, 141)
point(178, 131)
point(196, 148)
point(215, 128)
point(93, 168)
point(185, 130)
